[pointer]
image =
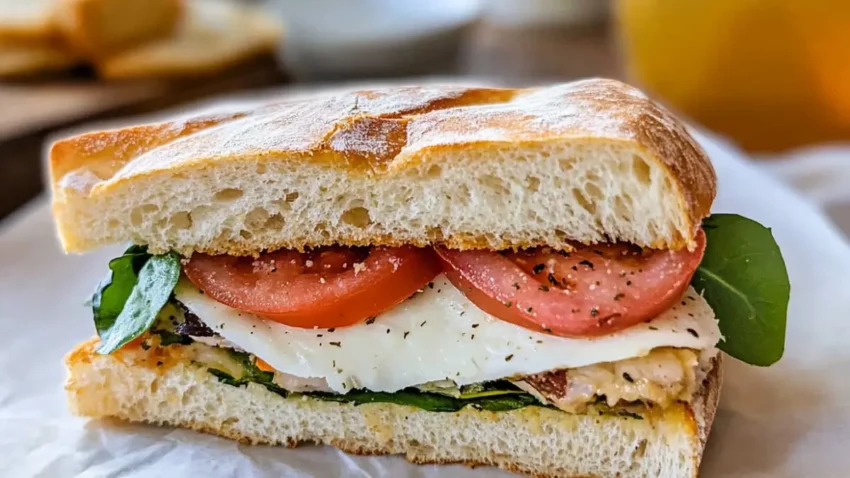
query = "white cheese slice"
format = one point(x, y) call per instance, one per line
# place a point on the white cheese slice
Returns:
point(437, 335)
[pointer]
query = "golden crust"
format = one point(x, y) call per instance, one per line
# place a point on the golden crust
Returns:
point(696, 418)
point(391, 131)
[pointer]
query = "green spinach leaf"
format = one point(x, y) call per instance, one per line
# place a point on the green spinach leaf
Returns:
point(744, 280)
point(504, 403)
point(155, 282)
point(112, 292)
point(494, 396)
point(432, 402)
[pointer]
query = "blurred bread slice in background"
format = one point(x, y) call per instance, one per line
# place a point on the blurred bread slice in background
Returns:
point(30, 43)
point(27, 20)
point(27, 59)
point(100, 28)
point(212, 36)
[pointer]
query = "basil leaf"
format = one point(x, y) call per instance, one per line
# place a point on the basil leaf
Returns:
point(744, 280)
point(112, 292)
point(156, 281)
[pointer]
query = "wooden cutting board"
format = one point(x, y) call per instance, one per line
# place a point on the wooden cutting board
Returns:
point(32, 110)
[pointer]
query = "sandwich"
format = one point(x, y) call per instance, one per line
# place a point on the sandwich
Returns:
point(522, 278)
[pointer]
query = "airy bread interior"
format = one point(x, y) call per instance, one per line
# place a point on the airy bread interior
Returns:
point(470, 168)
point(142, 386)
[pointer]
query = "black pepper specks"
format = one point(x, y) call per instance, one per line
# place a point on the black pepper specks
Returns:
point(371, 320)
point(509, 357)
point(538, 268)
point(336, 344)
point(594, 311)
point(552, 280)
point(628, 378)
point(693, 332)
point(544, 288)
point(618, 296)
point(516, 285)
point(475, 326)
point(587, 263)
point(406, 334)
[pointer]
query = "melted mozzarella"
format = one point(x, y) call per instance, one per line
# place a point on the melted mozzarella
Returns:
point(439, 334)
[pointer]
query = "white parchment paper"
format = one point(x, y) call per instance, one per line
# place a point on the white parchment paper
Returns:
point(789, 420)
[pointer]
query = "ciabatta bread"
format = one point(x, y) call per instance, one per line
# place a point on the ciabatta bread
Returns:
point(213, 35)
point(26, 59)
point(468, 167)
point(101, 28)
point(27, 21)
point(156, 386)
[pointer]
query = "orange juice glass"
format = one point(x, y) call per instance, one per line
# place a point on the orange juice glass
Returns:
point(770, 74)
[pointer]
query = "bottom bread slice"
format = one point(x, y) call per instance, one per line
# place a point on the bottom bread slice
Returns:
point(156, 387)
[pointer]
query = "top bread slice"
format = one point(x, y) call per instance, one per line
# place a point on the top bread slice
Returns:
point(588, 161)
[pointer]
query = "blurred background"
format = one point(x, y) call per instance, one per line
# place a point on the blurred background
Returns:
point(771, 76)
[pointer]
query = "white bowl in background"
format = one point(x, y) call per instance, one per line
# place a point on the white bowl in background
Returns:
point(372, 38)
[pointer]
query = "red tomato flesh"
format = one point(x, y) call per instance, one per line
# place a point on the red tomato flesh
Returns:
point(326, 287)
point(591, 291)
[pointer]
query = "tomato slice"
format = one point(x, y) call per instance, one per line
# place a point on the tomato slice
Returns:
point(326, 287)
point(591, 291)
